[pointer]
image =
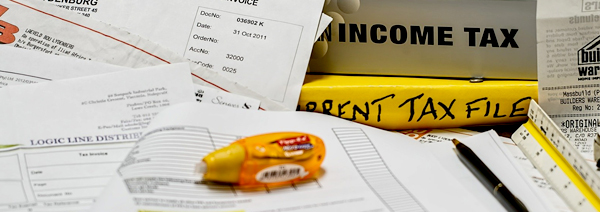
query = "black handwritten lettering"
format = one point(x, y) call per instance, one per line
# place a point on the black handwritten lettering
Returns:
point(469, 109)
point(496, 111)
point(361, 112)
point(515, 109)
point(340, 107)
point(327, 105)
point(430, 107)
point(412, 105)
point(311, 106)
point(379, 105)
point(431, 111)
point(487, 108)
point(447, 110)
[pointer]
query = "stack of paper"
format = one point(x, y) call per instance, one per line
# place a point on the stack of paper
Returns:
point(81, 129)
point(366, 169)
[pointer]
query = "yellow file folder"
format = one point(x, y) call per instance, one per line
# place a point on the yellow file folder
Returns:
point(396, 103)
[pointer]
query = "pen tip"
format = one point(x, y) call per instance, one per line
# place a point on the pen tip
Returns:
point(455, 142)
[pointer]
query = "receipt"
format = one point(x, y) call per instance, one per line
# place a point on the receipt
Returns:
point(264, 45)
point(568, 34)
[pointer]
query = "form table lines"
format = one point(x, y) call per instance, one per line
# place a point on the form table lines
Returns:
point(374, 171)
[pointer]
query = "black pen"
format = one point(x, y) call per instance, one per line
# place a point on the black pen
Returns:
point(505, 197)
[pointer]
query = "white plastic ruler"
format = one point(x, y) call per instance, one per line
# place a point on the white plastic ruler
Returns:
point(576, 182)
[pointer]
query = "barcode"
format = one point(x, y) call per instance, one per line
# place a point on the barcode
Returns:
point(281, 173)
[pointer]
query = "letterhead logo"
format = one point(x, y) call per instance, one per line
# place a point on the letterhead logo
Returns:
point(589, 53)
point(199, 95)
point(588, 60)
point(7, 30)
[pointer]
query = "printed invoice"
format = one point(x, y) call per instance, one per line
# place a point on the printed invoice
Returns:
point(270, 42)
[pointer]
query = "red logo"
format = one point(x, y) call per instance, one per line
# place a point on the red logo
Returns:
point(7, 31)
point(293, 141)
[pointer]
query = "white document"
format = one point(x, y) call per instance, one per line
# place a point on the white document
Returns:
point(43, 27)
point(110, 107)
point(493, 152)
point(365, 169)
point(20, 66)
point(264, 45)
point(568, 62)
point(69, 177)
point(323, 24)
point(89, 8)
point(61, 178)
point(25, 67)
point(430, 136)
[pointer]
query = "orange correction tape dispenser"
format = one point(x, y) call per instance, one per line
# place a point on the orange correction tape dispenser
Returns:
point(273, 159)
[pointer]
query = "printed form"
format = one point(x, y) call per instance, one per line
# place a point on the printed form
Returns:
point(365, 169)
point(568, 34)
point(60, 178)
point(250, 42)
point(45, 173)
point(44, 27)
point(74, 133)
